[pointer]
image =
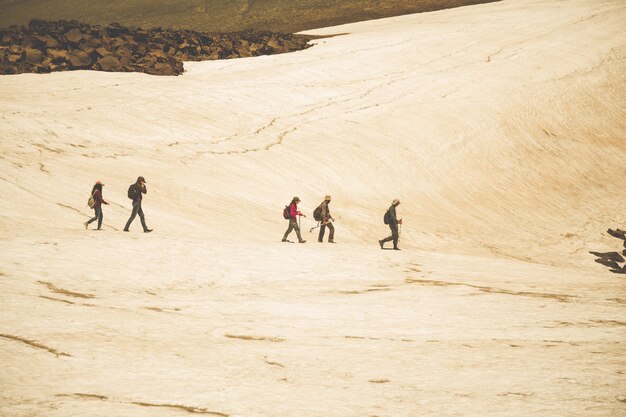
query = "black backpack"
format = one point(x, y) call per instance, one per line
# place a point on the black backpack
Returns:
point(317, 213)
point(286, 213)
point(387, 217)
point(132, 192)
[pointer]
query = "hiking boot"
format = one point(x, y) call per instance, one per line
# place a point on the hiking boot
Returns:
point(147, 230)
point(331, 241)
point(397, 248)
point(381, 243)
point(303, 241)
point(284, 240)
point(126, 230)
point(86, 225)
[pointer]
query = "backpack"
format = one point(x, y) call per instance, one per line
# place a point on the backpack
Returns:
point(286, 213)
point(387, 217)
point(317, 213)
point(132, 192)
point(91, 202)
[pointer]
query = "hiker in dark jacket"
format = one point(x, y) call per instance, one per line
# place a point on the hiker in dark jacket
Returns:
point(96, 193)
point(293, 220)
point(326, 221)
point(393, 225)
point(136, 191)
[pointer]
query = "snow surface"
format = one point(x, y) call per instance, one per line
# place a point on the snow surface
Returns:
point(501, 128)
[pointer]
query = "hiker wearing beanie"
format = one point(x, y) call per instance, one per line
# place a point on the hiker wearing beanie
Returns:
point(326, 220)
point(135, 192)
point(98, 201)
point(293, 220)
point(392, 220)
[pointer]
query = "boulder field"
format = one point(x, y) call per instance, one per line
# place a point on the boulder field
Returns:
point(43, 47)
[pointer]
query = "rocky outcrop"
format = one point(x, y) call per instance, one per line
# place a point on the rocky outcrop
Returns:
point(43, 47)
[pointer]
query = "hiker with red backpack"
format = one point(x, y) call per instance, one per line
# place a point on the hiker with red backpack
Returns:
point(322, 215)
point(95, 202)
point(392, 220)
point(291, 213)
point(135, 192)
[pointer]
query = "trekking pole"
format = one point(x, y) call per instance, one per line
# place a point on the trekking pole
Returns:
point(313, 228)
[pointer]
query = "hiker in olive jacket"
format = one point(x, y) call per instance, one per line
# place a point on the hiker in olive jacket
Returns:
point(137, 190)
point(98, 201)
point(293, 220)
point(393, 225)
point(326, 221)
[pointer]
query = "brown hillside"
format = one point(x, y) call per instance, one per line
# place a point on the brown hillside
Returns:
point(218, 15)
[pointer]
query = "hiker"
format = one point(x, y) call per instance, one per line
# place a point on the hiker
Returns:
point(98, 201)
point(392, 220)
point(292, 213)
point(135, 192)
point(326, 220)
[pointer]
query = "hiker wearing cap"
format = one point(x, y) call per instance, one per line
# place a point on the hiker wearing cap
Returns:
point(392, 220)
point(293, 220)
point(98, 201)
point(135, 192)
point(326, 220)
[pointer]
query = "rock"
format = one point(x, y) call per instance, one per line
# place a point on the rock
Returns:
point(273, 43)
point(152, 46)
point(102, 51)
point(33, 56)
point(214, 53)
point(115, 29)
point(48, 41)
point(159, 55)
point(254, 47)
point(161, 68)
point(58, 56)
point(123, 51)
point(34, 42)
point(181, 56)
point(109, 63)
point(93, 41)
point(87, 49)
point(74, 36)
point(58, 67)
point(80, 59)
point(117, 42)
point(243, 49)
point(125, 60)
point(141, 36)
point(37, 25)
point(13, 59)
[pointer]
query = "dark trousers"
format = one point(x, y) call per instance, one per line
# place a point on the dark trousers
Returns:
point(394, 235)
point(331, 230)
point(97, 216)
point(293, 225)
point(136, 210)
